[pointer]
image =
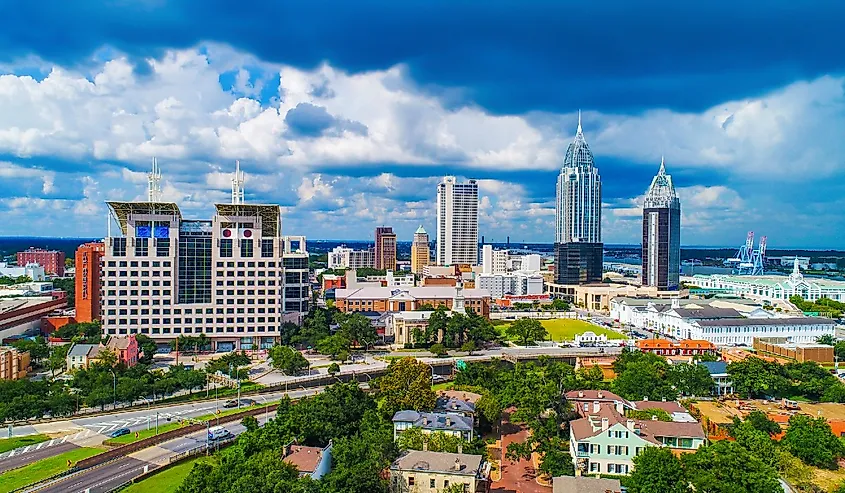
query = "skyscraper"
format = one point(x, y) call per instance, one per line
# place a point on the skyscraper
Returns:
point(578, 247)
point(457, 222)
point(385, 248)
point(662, 233)
point(420, 251)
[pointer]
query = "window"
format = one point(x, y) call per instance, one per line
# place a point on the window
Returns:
point(246, 248)
point(410, 481)
point(266, 248)
point(119, 247)
point(226, 247)
point(162, 248)
point(142, 247)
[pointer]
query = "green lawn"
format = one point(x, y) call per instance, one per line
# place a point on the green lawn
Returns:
point(43, 469)
point(166, 481)
point(7, 444)
point(442, 386)
point(162, 427)
point(565, 329)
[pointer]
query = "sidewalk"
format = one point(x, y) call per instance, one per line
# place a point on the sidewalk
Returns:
point(517, 477)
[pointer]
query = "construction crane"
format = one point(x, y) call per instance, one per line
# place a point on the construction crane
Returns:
point(748, 261)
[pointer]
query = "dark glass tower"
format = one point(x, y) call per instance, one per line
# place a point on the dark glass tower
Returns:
point(662, 234)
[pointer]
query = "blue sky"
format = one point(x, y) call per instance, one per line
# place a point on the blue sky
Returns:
point(347, 113)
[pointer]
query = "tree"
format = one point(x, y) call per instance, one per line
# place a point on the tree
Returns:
point(58, 358)
point(590, 377)
point(334, 345)
point(755, 378)
point(811, 440)
point(826, 339)
point(468, 347)
point(148, 347)
point(334, 368)
point(527, 330)
point(726, 467)
point(761, 422)
point(557, 462)
point(37, 348)
point(755, 441)
point(342, 356)
point(560, 305)
point(437, 324)
point(288, 360)
point(438, 350)
point(691, 379)
point(645, 377)
point(518, 451)
point(250, 423)
point(406, 386)
point(357, 328)
point(657, 469)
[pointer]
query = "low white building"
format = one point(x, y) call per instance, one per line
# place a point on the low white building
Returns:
point(31, 270)
point(771, 288)
point(514, 283)
point(342, 257)
point(590, 338)
point(502, 261)
point(743, 331)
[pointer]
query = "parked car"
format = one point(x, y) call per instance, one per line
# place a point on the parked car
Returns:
point(119, 432)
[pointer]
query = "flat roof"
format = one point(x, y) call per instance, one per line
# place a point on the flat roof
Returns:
point(442, 462)
point(745, 322)
point(416, 292)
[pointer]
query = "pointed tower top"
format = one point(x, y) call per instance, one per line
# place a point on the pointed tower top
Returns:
point(154, 183)
point(420, 231)
point(662, 166)
point(238, 185)
point(579, 123)
point(661, 192)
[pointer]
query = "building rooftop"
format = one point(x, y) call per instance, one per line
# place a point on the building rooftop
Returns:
point(305, 459)
point(118, 342)
point(707, 312)
point(453, 405)
point(409, 293)
point(442, 462)
point(715, 367)
point(82, 349)
point(434, 421)
point(581, 484)
point(591, 425)
point(744, 322)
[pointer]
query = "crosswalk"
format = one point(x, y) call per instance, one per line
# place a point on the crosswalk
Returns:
point(103, 427)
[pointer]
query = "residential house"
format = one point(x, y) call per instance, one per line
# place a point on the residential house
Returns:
point(582, 400)
point(310, 461)
point(605, 441)
point(125, 348)
point(450, 424)
point(722, 382)
point(419, 471)
point(453, 405)
point(82, 355)
point(581, 484)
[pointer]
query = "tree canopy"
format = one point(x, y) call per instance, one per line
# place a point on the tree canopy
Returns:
point(288, 360)
point(406, 386)
point(527, 330)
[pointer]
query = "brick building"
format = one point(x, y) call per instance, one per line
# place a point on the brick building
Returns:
point(14, 364)
point(87, 281)
point(53, 261)
point(385, 248)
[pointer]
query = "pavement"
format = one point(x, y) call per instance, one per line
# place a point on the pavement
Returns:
point(109, 476)
point(92, 431)
point(520, 476)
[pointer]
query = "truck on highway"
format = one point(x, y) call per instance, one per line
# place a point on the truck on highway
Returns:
point(218, 433)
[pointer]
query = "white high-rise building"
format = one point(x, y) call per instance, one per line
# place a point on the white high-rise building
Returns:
point(457, 222)
point(578, 207)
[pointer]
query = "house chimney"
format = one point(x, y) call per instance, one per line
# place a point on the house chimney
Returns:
point(580, 394)
point(630, 424)
point(601, 394)
point(425, 420)
point(605, 424)
point(596, 406)
point(654, 418)
point(458, 466)
point(664, 399)
point(645, 398)
point(448, 421)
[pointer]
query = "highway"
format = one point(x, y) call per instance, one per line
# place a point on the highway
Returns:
point(109, 476)
point(92, 431)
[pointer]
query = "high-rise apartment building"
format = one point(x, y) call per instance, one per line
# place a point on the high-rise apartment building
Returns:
point(662, 233)
point(342, 257)
point(87, 281)
point(457, 222)
point(53, 261)
point(385, 248)
point(420, 251)
point(578, 247)
point(234, 278)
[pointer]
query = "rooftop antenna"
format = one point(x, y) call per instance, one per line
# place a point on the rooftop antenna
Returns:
point(238, 185)
point(154, 183)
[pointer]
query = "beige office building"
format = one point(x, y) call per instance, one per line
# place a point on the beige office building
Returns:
point(420, 251)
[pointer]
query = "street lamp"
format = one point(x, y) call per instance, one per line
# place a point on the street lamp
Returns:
point(148, 411)
point(114, 385)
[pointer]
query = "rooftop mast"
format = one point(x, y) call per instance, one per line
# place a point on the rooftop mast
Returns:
point(238, 185)
point(154, 183)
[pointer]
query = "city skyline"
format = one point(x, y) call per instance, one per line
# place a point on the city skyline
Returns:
point(751, 129)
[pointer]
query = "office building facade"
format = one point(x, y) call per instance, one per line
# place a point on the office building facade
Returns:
point(385, 254)
point(457, 222)
point(420, 251)
point(87, 281)
point(342, 257)
point(234, 278)
point(661, 234)
point(578, 215)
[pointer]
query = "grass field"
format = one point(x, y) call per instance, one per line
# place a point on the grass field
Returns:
point(565, 329)
point(43, 469)
point(7, 444)
point(124, 439)
point(166, 481)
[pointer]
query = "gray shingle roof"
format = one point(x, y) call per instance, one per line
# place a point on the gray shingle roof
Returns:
point(443, 462)
point(434, 421)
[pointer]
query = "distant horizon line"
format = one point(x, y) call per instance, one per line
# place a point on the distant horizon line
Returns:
point(327, 240)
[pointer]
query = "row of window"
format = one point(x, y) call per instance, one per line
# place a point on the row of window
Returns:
point(208, 311)
point(621, 469)
point(167, 320)
point(432, 483)
point(136, 273)
point(165, 282)
point(190, 330)
point(135, 263)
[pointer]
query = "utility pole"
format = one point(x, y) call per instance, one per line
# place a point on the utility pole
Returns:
point(156, 422)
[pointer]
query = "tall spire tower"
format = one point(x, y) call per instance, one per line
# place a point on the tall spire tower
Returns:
point(578, 248)
point(661, 233)
point(238, 185)
point(154, 183)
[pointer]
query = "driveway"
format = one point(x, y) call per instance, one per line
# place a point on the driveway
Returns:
point(517, 477)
